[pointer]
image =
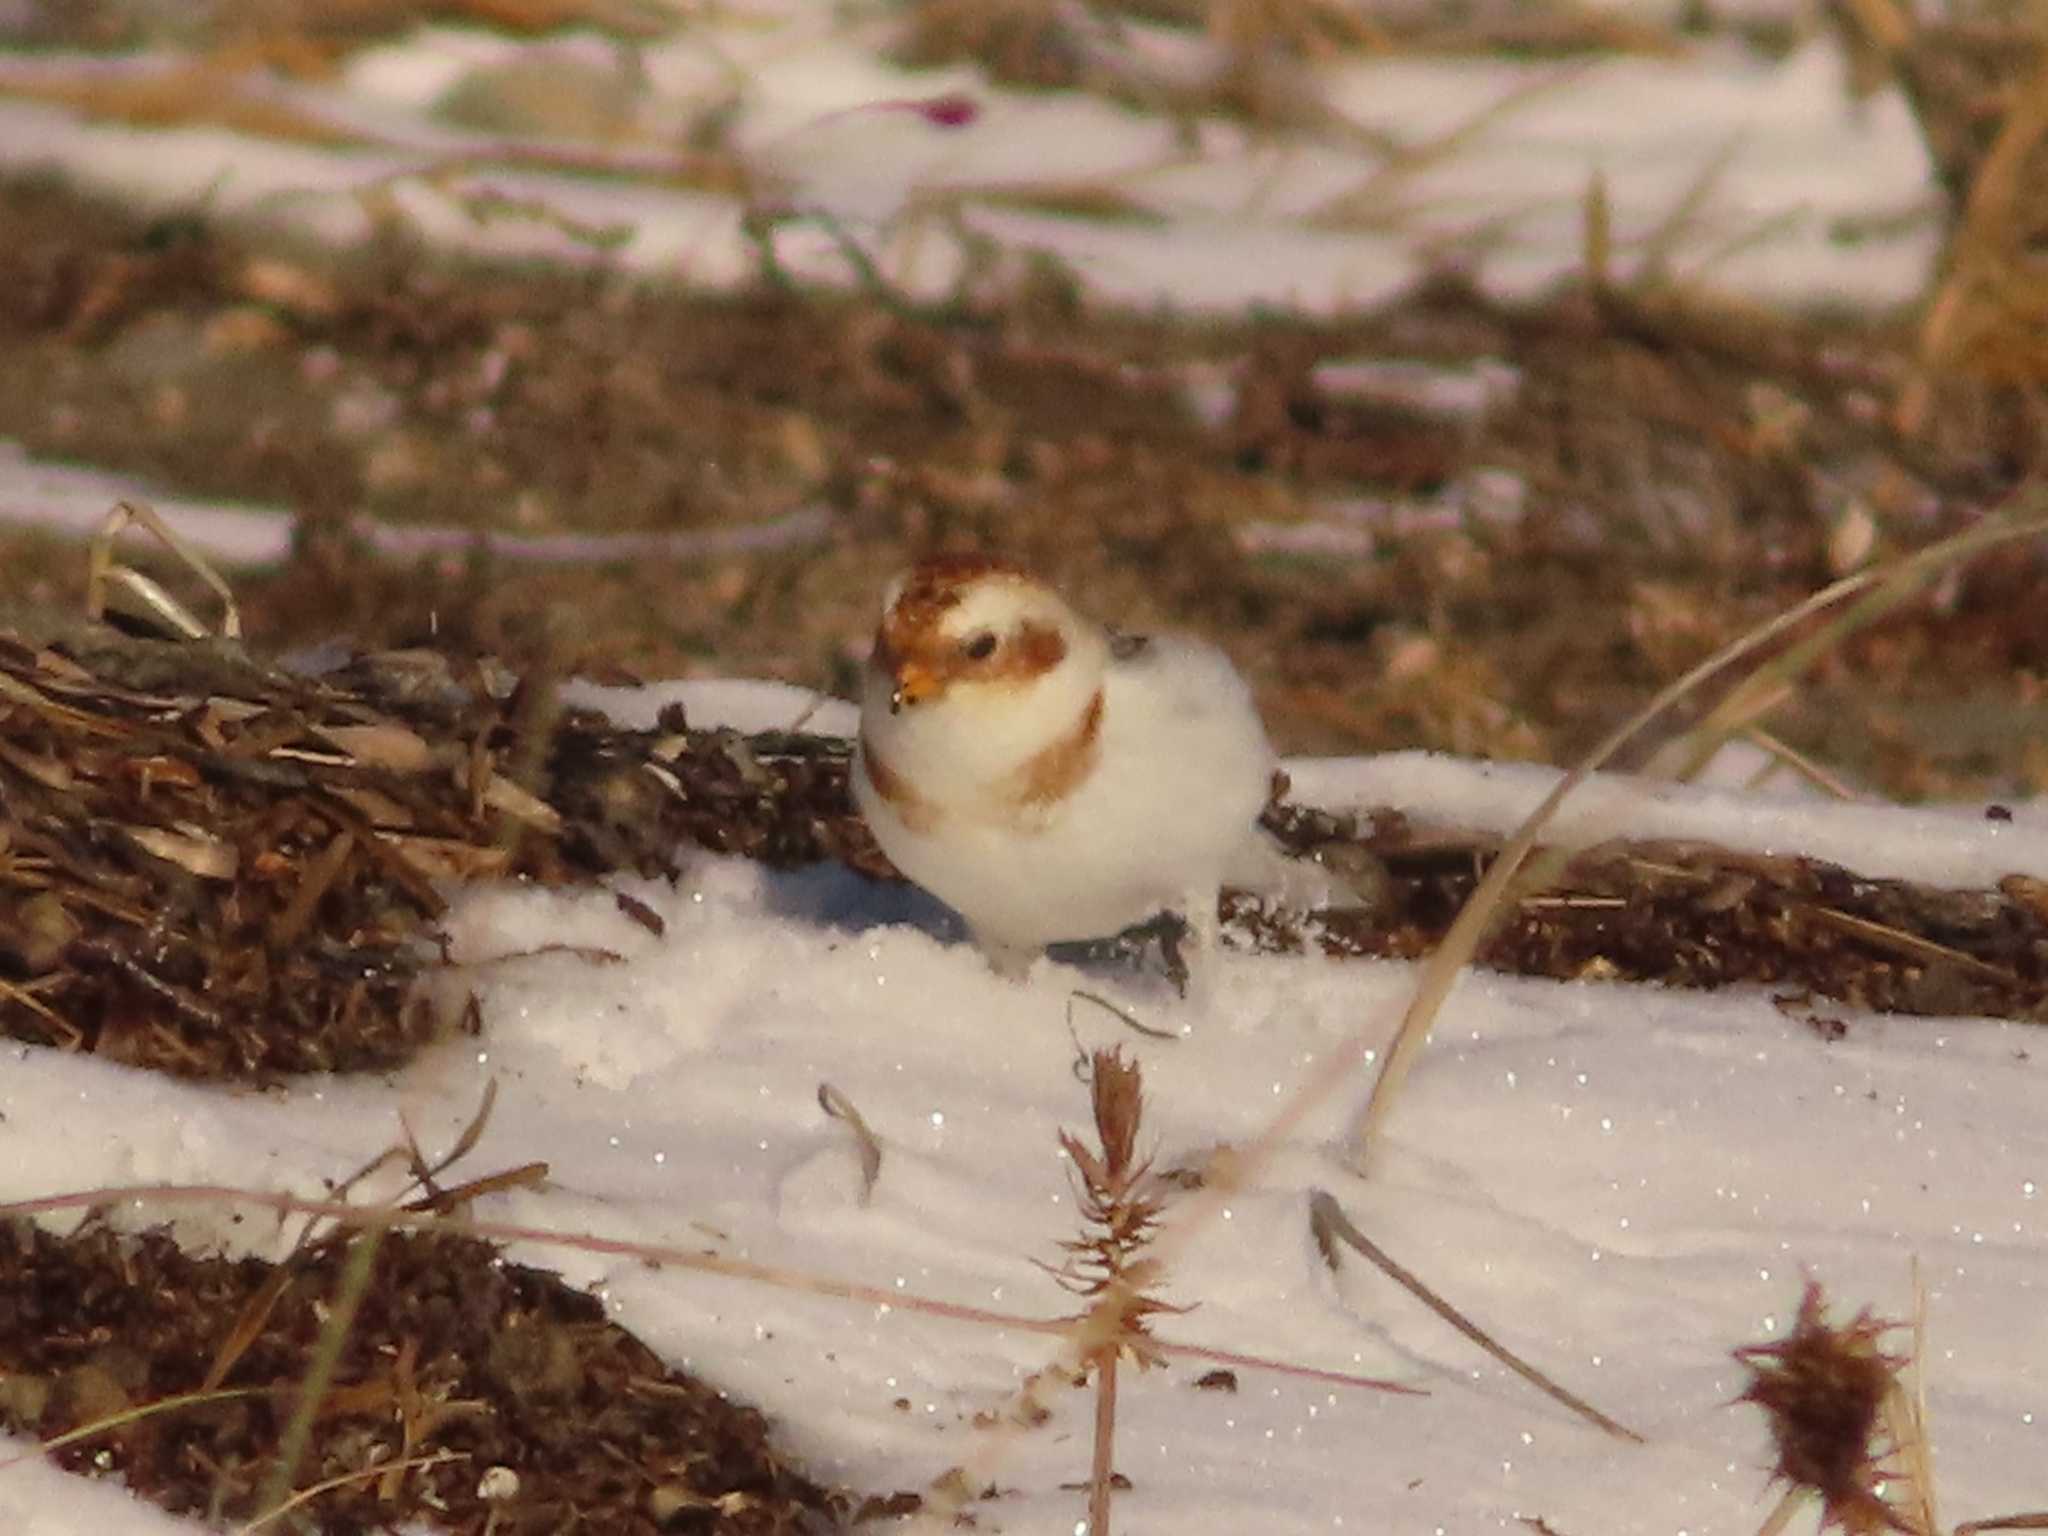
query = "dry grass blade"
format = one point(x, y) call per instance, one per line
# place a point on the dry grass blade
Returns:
point(1328, 1222)
point(1881, 591)
point(868, 1144)
point(1681, 220)
point(1884, 590)
point(1482, 908)
point(1313, 29)
point(348, 1296)
point(1911, 945)
point(101, 572)
point(249, 1325)
point(1097, 199)
point(322, 870)
point(138, 1413)
point(1366, 204)
point(68, 1036)
point(1882, 22)
point(1122, 1015)
point(1596, 233)
point(313, 1491)
point(1788, 1505)
point(1804, 766)
point(1905, 1419)
point(443, 1202)
point(424, 1172)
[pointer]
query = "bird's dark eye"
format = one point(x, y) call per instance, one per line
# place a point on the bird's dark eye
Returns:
point(979, 647)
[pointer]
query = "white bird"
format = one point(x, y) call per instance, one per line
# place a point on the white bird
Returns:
point(1045, 778)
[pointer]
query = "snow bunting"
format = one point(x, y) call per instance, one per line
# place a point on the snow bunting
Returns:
point(1046, 778)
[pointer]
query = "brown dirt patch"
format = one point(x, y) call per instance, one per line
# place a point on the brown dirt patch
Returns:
point(548, 1417)
point(1688, 915)
point(1686, 470)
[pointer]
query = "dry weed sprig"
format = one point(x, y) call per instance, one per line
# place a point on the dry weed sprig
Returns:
point(1824, 1389)
point(1119, 1202)
point(103, 573)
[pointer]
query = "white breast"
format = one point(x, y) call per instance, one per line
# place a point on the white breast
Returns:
point(1183, 771)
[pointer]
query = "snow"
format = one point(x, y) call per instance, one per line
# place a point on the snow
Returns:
point(75, 499)
point(1937, 845)
point(1623, 1182)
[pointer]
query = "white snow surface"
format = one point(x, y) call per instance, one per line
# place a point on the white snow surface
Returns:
point(75, 499)
point(1623, 1182)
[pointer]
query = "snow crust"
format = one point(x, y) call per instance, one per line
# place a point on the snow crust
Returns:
point(1624, 1182)
point(74, 499)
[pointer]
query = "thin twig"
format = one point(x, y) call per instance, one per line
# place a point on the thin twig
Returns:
point(1328, 1218)
point(385, 1219)
point(343, 1479)
point(869, 1145)
point(1880, 591)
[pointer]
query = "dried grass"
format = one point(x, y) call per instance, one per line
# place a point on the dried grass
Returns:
point(215, 868)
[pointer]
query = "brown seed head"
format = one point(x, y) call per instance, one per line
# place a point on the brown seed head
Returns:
point(1823, 1389)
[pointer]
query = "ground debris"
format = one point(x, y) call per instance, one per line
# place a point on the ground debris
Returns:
point(237, 872)
point(1448, 523)
point(1687, 915)
point(548, 1417)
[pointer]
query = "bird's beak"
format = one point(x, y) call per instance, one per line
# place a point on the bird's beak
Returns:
point(915, 682)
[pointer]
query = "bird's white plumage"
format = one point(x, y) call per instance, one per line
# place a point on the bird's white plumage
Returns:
point(955, 786)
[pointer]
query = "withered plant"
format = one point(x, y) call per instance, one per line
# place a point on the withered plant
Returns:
point(1839, 1419)
point(1110, 1263)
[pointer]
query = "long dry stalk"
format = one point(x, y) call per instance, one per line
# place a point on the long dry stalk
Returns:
point(1881, 591)
point(348, 1296)
point(665, 1255)
point(1102, 1467)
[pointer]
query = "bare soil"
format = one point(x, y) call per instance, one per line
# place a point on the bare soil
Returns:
point(1688, 469)
point(538, 1414)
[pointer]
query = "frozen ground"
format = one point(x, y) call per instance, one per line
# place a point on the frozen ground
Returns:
point(1623, 1182)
